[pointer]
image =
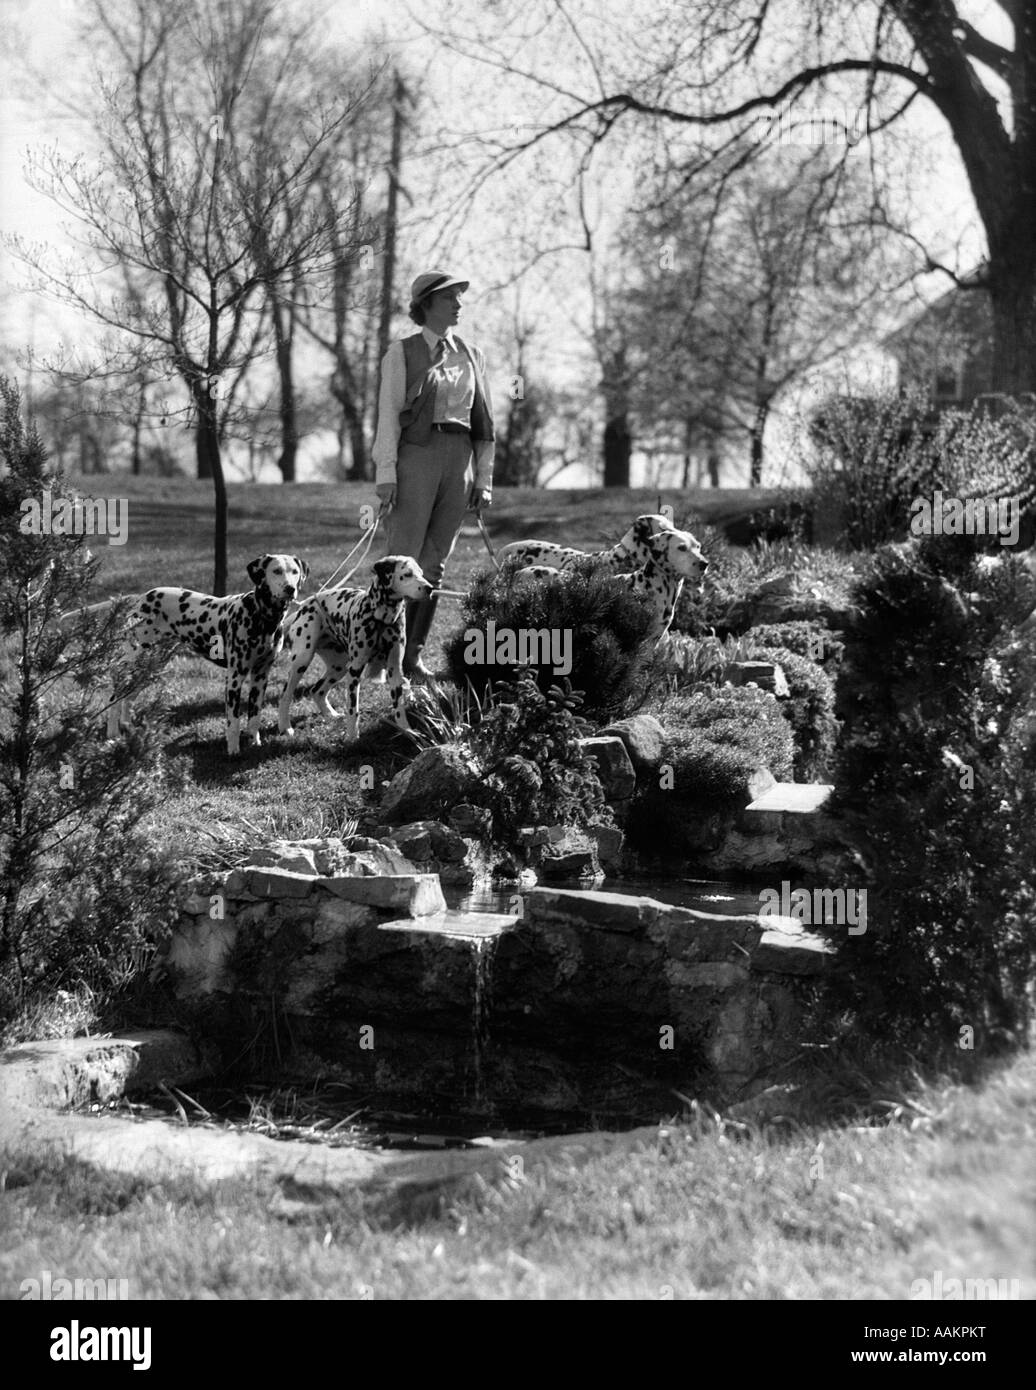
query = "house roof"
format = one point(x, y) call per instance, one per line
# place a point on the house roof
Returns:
point(958, 310)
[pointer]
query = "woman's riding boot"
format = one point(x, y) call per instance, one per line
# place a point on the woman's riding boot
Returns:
point(420, 613)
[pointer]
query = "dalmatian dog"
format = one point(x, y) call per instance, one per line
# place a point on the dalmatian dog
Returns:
point(653, 558)
point(536, 573)
point(351, 630)
point(242, 633)
point(631, 552)
point(675, 557)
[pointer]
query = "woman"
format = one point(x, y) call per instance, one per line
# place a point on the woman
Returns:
point(433, 450)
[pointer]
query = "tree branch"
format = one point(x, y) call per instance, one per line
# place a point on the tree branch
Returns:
point(991, 55)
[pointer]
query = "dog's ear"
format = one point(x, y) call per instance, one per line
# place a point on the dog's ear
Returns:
point(303, 567)
point(383, 569)
point(257, 569)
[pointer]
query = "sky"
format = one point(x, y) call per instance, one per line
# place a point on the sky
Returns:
point(482, 239)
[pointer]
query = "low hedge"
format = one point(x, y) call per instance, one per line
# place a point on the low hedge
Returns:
point(715, 741)
point(738, 716)
point(609, 627)
point(803, 636)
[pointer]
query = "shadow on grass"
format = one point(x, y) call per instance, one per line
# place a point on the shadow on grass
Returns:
point(185, 715)
point(382, 746)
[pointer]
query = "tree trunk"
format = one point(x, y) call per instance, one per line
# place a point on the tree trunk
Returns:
point(343, 390)
point(287, 411)
point(210, 465)
point(341, 429)
point(1000, 165)
point(618, 445)
point(399, 98)
point(762, 414)
point(618, 438)
point(688, 443)
point(1013, 296)
point(359, 470)
point(289, 442)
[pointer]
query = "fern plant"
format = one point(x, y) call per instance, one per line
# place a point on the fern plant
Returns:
point(534, 771)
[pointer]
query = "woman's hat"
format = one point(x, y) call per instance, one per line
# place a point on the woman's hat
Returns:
point(432, 282)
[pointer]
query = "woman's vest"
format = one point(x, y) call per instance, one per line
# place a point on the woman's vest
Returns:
point(416, 417)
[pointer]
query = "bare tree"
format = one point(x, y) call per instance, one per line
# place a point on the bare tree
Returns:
point(401, 99)
point(609, 339)
point(740, 289)
point(194, 202)
point(726, 67)
point(285, 88)
point(519, 450)
point(342, 322)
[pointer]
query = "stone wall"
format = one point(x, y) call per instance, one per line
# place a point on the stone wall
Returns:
point(578, 1001)
point(729, 987)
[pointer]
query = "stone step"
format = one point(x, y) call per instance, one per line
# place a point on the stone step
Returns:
point(471, 925)
point(793, 798)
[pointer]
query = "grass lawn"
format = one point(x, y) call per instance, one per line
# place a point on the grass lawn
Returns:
point(170, 523)
point(296, 787)
point(857, 1211)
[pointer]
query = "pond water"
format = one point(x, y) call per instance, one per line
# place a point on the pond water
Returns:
point(337, 1117)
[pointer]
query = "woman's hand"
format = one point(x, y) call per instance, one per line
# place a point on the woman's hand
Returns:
point(478, 498)
point(386, 494)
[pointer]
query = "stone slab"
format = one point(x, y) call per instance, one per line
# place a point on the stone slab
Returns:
point(609, 911)
point(418, 895)
point(268, 883)
point(791, 955)
point(792, 798)
point(469, 926)
point(283, 855)
point(690, 934)
point(767, 675)
point(81, 1071)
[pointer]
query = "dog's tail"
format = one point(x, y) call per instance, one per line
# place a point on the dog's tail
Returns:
point(69, 620)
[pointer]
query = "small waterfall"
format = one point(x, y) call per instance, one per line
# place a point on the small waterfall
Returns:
point(484, 948)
